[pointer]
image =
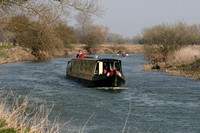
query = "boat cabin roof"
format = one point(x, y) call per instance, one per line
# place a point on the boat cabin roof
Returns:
point(98, 59)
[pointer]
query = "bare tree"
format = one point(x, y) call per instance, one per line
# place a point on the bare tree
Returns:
point(115, 38)
point(96, 35)
point(84, 22)
point(39, 21)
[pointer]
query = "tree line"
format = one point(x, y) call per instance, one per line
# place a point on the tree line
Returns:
point(162, 40)
point(42, 25)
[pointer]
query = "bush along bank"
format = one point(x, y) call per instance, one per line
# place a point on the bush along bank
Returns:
point(171, 48)
point(184, 62)
point(10, 54)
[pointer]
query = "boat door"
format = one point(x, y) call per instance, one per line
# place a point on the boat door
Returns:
point(99, 68)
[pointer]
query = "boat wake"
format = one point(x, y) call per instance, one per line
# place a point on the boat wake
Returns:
point(112, 89)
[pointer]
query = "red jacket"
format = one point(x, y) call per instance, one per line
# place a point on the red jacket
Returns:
point(79, 55)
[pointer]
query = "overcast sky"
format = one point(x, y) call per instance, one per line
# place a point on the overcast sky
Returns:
point(129, 17)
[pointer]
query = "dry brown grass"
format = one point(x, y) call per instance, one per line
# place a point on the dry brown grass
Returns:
point(122, 48)
point(9, 54)
point(186, 55)
point(147, 67)
point(25, 117)
point(107, 49)
point(183, 62)
point(6, 44)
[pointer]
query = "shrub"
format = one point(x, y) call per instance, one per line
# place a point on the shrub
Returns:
point(41, 37)
point(118, 49)
point(167, 38)
point(95, 36)
point(33, 34)
point(65, 33)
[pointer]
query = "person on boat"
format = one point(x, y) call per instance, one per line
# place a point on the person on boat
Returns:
point(105, 70)
point(123, 55)
point(80, 53)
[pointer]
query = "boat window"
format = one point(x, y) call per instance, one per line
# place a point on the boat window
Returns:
point(111, 66)
point(117, 66)
point(76, 66)
point(73, 66)
point(84, 66)
point(81, 66)
point(106, 64)
point(97, 68)
point(88, 66)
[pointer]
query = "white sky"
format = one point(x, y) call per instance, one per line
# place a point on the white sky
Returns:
point(129, 17)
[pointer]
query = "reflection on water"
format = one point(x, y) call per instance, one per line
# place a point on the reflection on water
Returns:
point(160, 102)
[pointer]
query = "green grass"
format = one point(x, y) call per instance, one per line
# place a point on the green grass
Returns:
point(3, 55)
point(198, 61)
point(106, 51)
point(10, 130)
point(2, 123)
point(27, 50)
point(5, 47)
point(27, 130)
point(186, 66)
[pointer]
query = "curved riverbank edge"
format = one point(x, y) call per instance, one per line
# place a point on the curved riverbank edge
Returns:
point(11, 54)
point(174, 71)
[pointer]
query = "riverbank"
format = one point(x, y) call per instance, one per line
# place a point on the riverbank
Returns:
point(10, 54)
point(184, 62)
point(106, 49)
point(24, 117)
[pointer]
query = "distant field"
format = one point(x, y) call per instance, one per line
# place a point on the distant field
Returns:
point(129, 48)
point(110, 48)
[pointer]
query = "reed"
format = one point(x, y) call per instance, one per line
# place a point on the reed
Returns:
point(186, 55)
point(20, 115)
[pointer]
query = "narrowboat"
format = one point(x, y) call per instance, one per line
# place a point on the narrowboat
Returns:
point(96, 72)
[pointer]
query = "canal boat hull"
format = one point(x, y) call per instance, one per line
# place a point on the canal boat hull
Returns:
point(101, 81)
point(96, 72)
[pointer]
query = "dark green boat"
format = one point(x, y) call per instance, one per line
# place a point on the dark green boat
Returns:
point(96, 72)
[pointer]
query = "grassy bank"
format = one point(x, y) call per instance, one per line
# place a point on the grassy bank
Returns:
point(9, 54)
point(17, 115)
point(184, 62)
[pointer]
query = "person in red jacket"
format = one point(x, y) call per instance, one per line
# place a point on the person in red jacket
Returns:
point(80, 54)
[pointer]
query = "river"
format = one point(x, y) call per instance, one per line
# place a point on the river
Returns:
point(154, 101)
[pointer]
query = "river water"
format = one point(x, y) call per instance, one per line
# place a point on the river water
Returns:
point(154, 101)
